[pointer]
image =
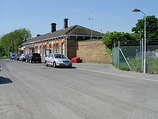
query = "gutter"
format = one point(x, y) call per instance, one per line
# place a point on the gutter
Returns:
point(61, 36)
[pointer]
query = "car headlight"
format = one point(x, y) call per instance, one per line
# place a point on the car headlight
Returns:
point(59, 61)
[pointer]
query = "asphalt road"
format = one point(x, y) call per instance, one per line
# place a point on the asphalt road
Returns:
point(85, 91)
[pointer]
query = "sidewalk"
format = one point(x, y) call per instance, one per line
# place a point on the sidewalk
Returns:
point(111, 70)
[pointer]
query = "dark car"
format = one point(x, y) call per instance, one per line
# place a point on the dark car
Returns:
point(33, 57)
point(17, 57)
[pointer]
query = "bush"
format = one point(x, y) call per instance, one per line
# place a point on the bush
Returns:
point(3, 57)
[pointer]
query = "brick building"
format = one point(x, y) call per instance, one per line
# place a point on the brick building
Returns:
point(63, 41)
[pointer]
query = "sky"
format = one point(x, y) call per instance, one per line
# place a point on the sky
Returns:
point(106, 15)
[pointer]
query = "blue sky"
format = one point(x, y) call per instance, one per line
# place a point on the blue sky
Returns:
point(108, 15)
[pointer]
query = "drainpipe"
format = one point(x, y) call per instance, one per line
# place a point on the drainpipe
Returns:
point(66, 46)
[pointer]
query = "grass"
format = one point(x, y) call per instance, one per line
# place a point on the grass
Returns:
point(136, 65)
point(3, 57)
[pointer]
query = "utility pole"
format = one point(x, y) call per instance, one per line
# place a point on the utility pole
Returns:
point(91, 19)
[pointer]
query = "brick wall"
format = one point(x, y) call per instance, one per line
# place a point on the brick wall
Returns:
point(93, 52)
point(71, 47)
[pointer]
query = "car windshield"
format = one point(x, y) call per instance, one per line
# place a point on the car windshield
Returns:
point(13, 54)
point(36, 55)
point(59, 56)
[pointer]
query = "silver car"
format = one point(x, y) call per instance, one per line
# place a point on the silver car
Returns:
point(22, 57)
point(57, 60)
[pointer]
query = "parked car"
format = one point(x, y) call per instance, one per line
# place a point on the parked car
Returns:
point(33, 57)
point(17, 57)
point(22, 57)
point(57, 60)
point(12, 56)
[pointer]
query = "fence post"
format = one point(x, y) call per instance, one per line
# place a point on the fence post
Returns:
point(125, 59)
point(142, 55)
point(118, 55)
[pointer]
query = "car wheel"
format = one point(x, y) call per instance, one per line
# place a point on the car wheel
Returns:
point(30, 61)
point(54, 65)
point(45, 63)
point(70, 66)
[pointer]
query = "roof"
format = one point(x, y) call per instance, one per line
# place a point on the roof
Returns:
point(70, 31)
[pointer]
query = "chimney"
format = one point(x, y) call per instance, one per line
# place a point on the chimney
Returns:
point(66, 23)
point(38, 35)
point(53, 27)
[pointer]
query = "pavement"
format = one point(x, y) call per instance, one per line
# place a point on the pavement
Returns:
point(109, 69)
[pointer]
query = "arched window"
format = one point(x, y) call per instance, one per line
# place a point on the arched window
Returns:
point(50, 46)
point(56, 48)
point(63, 48)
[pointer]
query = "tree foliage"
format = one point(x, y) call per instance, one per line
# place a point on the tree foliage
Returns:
point(151, 27)
point(2, 51)
point(111, 38)
point(10, 42)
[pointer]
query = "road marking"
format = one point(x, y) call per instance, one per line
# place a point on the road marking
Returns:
point(145, 79)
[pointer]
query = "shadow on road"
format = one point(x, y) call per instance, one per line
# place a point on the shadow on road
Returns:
point(65, 67)
point(4, 80)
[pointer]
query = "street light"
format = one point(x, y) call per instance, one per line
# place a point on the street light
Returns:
point(144, 63)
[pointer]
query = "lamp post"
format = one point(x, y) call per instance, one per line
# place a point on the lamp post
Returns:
point(144, 57)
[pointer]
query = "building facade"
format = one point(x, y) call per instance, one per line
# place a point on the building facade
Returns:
point(64, 41)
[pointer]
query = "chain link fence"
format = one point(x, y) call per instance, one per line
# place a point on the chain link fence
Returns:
point(131, 58)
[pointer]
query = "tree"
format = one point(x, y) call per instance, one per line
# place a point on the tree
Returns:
point(151, 28)
point(2, 52)
point(10, 42)
point(110, 38)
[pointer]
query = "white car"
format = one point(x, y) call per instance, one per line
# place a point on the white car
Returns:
point(57, 60)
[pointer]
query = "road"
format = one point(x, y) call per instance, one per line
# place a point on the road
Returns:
point(33, 91)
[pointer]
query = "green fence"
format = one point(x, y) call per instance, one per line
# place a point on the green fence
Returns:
point(130, 58)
